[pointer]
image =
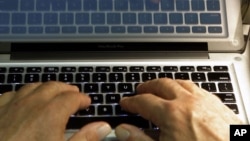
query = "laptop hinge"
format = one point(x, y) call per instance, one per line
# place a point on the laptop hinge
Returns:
point(92, 51)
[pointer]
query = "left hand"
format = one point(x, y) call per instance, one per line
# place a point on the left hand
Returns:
point(40, 112)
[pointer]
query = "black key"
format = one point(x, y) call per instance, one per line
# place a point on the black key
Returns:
point(82, 77)
point(120, 111)
point(108, 87)
point(170, 68)
point(187, 68)
point(2, 78)
point(78, 85)
point(14, 78)
point(105, 110)
point(132, 77)
point(96, 98)
point(3, 70)
point(125, 87)
point(148, 76)
point(16, 70)
point(91, 88)
point(233, 107)
point(79, 122)
point(225, 87)
point(154, 68)
point(5, 88)
point(204, 68)
point(99, 77)
point(89, 111)
point(226, 97)
point(136, 69)
point(115, 77)
point(209, 87)
point(128, 94)
point(18, 86)
point(198, 77)
point(68, 69)
point(30, 78)
point(163, 75)
point(218, 76)
point(86, 69)
point(220, 68)
point(66, 77)
point(34, 69)
point(113, 98)
point(183, 76)
point(51, 69)
point(120, 69)
point(102, 69)
point(48, 77)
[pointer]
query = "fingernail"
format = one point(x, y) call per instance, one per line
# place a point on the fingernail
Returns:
point(122, 134)
point(103, 130)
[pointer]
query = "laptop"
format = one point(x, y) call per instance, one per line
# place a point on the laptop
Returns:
point(108, 47)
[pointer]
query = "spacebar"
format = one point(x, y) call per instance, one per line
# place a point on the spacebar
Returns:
point(79, 122)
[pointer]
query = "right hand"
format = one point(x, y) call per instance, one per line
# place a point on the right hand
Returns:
point(181, 110)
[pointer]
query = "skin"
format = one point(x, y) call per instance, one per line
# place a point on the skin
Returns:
point(179, 108)
point(39, 112)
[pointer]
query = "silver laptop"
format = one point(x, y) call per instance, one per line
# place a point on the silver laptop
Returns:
point(108, 47)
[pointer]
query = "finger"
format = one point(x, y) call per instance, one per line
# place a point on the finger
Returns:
point(193, 88)
point(92, 132)
point(6, 98)
point(48, 90)
point(68, 103)
point(164, 88)
point(155, 107)
point(125, 132)
point(27, 89)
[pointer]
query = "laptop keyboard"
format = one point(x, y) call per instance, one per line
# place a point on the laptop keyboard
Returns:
point(106, 85)
point(27, 19)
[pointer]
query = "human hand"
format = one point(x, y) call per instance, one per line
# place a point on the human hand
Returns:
point(40, 112)
point(181, 110)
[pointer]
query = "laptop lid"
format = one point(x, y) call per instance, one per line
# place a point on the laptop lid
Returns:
point(218, 24)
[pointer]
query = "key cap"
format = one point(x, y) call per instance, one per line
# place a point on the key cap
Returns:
point(2, 78)
point(213, 5)
point(79, 122)
point(198, 5)
point(106, 5)
point(218, 76)
point(210, 18)
point(27, 5)
point(209, 87)
point(9, 5)
point(167, 5)
point(5, 88)
point(30, 78)
point(121, 5)
point(226, 97)
point(49, 77)
point(233, 107)
point(90, 5)
point(4, 18)
point(91, 88)
point(82, 77)
point(74, 5)
point(136, 5)
point(182, 5)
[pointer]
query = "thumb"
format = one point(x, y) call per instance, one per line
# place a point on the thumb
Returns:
point(92, 132)
point(125, 132)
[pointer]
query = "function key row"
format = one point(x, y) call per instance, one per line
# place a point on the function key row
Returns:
point(111, 69)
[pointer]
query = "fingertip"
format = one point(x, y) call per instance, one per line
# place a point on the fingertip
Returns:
point(126, 132)
point(91, 132)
